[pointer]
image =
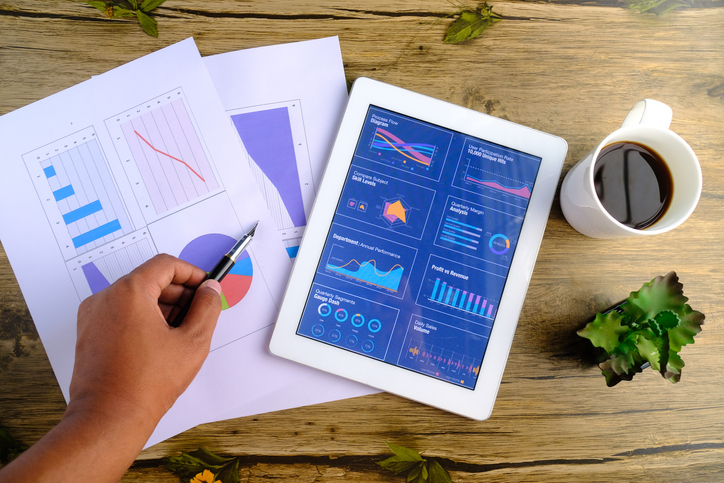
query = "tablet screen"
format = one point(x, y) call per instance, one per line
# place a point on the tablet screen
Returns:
point(420, 247)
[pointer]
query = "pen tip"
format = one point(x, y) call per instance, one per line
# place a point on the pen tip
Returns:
point(251, 232)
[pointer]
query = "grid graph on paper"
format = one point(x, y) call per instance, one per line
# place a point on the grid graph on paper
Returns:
point(159, 144)
point(79, 195)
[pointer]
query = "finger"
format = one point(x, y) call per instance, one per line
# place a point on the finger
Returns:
point(204, 312)
point(163, 270)
point(176, 294)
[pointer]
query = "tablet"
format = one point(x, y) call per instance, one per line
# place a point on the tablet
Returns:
point(418, 253)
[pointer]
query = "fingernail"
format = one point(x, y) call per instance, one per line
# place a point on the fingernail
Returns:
point(213, 284)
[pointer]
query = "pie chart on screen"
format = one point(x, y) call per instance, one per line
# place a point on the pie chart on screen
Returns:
point(206, 250)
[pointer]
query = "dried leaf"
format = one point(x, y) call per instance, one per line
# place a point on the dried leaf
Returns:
point(471, 24)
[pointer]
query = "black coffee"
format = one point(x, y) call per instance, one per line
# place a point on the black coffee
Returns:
point(633, 183)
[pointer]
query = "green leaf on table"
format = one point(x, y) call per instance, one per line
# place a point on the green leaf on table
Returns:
point(604, 331)
point(438, 474)
point(471, 24)
point(188, 465)
point(417, 468)
point(102, 6)
point(149, 5)
point(134, 4)
point(148, 24)
point(119, 12)
point(405, 459)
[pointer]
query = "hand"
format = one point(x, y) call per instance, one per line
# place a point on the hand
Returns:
point(130, 367)
point(128, 359)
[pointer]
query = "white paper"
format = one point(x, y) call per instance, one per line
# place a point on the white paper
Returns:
point(286, 103)
point(140, 160)
point(305, 82)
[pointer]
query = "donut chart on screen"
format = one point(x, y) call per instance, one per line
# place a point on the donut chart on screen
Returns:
point(206, 250)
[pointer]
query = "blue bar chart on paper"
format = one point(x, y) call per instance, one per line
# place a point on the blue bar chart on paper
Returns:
point(78, 193)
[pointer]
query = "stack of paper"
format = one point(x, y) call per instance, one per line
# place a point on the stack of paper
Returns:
point(95, 184)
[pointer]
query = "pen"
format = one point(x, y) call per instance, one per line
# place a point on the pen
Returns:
point(218, 273)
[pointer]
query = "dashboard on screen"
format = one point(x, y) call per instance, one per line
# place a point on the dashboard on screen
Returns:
point(420, 246)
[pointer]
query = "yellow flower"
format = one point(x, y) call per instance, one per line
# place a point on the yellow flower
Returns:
point(205, 477)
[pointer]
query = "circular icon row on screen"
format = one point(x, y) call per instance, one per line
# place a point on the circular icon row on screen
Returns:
point(350, 340)
point(341, 315)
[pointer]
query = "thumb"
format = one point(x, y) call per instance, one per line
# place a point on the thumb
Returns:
point(204, 311)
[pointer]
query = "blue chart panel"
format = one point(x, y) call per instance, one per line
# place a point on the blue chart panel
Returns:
point(479, 231)
point(497, 172)
point(348, 321)
point(366, 261)
point(404, 143)
point(459, 290)
point(84, 197)
point(386, 202)
point(442, 351)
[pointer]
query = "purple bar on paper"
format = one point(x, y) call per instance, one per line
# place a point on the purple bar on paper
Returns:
point(267, 136)
point(95, 278)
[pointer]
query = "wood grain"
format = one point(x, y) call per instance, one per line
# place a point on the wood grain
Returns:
point(570, 69)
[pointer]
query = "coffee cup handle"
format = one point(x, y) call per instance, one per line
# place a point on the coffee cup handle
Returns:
point(649, 112)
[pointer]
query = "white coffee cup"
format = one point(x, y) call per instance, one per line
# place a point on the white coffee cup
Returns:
point(646, 124)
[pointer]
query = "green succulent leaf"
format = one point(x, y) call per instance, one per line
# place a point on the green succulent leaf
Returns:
point(689, 325)
point(674, 367)
point(663, 322)
point(654, 349)
point(604, 331)
point(659, 295)
point(471, 24)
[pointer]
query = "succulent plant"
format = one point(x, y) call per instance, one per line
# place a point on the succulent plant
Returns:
point(649, 328)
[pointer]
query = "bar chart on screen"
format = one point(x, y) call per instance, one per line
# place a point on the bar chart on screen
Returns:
point(78, 193)
point(162, 154)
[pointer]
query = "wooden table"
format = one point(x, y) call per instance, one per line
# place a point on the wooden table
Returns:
point(563, 67)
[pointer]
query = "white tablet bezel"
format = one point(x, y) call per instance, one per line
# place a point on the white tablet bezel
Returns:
point(286, 343)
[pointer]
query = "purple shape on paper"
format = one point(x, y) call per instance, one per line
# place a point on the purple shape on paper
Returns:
point(267, 136)
point(206, 250)
point(96, 280)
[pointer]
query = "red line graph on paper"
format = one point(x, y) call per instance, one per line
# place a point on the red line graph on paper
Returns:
point(168, 155)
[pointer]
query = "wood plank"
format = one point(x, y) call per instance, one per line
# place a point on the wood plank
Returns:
point(567, 69)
